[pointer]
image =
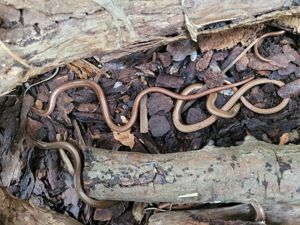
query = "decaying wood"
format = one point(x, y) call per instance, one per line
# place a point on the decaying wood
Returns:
point(276, 214)
point(10, 149)
point(254, 170)
point(48, 34)
point(239, 212)
point(292, 22)
point(17, 212)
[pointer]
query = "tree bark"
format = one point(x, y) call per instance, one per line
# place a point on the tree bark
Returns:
point(276, 214)
point(17, 212)
point(240, 212)
point(48, 34)
point(253, 171)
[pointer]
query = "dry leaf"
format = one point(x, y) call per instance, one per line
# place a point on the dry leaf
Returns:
point(288, 137)
point(284, 139)
point(125, 138)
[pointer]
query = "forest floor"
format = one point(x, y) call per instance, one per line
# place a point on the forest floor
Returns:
point(44, 179)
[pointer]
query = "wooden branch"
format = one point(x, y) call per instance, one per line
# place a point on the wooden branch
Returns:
point(253, 171)
point(48, 34)
point(276, 214)
point(17, 212)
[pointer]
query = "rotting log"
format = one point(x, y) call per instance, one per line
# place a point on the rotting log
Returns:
point(276, 214)
point(18, 212)
point(255, 170)
point(48, 34)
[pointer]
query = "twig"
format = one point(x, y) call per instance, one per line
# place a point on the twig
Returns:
point(143, 116)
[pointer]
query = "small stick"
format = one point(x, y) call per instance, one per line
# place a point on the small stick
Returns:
point(144, 115)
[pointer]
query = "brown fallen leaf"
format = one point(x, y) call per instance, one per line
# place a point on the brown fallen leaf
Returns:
point(284, 139)
point(288, 137)
point(125, 138)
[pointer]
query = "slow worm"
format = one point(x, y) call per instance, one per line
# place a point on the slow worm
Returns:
point(271, 34)
point(134, 113)
point(77, 163)
point(230, 105)
point(239, 95)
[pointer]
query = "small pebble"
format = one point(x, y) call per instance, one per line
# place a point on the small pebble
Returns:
point(118, 84)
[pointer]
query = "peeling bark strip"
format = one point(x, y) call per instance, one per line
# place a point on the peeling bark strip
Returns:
point(18, 212)
point(48, 34)
point(253, 171)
